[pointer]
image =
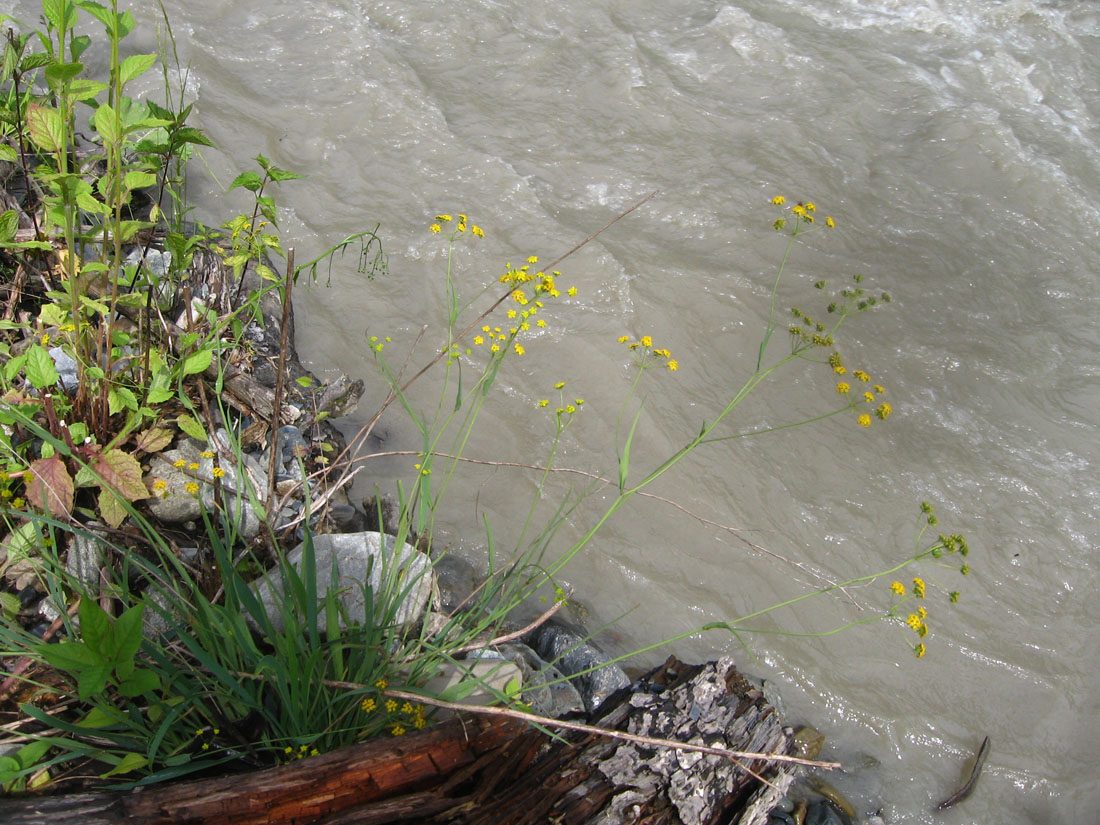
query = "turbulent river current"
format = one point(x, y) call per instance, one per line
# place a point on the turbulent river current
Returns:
point(954, 142)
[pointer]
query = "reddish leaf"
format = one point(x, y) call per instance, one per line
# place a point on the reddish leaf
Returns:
point(153, 440)
point(52, 487)
point(121, 473)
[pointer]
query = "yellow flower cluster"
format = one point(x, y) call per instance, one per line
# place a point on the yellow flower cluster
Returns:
point(650, 355)
point(882, 410)
point(803, 212)
point(460, 226)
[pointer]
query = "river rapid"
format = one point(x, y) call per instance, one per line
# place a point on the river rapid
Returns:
point(955, 143)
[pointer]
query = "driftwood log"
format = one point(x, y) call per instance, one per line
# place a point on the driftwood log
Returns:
point(478, 771)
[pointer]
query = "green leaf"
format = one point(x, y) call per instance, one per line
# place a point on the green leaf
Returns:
point(100, 718)
point(83, 88)
point(8, 153)
point(119, 399)
point(139, 180)
point(92, 681)
point(59, 13)
point(125, 638)
point(197, 362)
point(9, 605)
point(249, 180)
point(58, 73)
point(111, 508)
point(104, 123)
point(189, 134)
point(279, 175)
point(134, 66)
point(95, 306)
point(190, 425)
point(96, 10)
point(52, 487)
point(139, 683)
point(78, 45)
point(9, 225)
point(95, 627)
point(46, 128)
point(129, 763)
point(69, 656)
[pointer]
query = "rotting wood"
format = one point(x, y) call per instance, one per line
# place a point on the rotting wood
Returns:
point(303, 791)
point(496, 771)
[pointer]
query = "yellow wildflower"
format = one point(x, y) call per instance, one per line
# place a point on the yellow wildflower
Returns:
point(646, 341)
point(898, 588)
point(673, 365)
point(367, 705)
point(160, 485)
point(810, 206)
point(843, 387)
point(571, 292)
point(544, 402)
point(884, 409)
point(218, 472)
point(829, 222)
point(479, 340)
point(436, 228)
point(180, 463)
point(206, 454)
point(623, 339)
point(540, 323)
point(864, 420)
point(779, 200)
point(861, 375)
point(519, 349)
point(381, 684)
point(913, 621)
point(840, 369)
point(192, 466)
point(397, 730)
point(443, 218)
point(868, 397)
point(534, 259)
point(191, 488)
point(391, 705)
point(477, 231)
point(918, 587)
point(919, 651)
point(559, 385)
point(494, 348)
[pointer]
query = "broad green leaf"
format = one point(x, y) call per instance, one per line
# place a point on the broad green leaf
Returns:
point(190, 425)
point(119, 399)
point(8, 153)
point(52, 487)
point(99, 718)
point(9, 605)
point(69, 656)
point(129, 763)
point(95, 628)
point(134, 66)
point(96, 10)
point(104, 123)
point(249, 180)
point(60, 13)
point(46, 127)
point(189, 134)
point(58, 73)
point(52, 315)
point(111, 509)
point(95, 306)
point(279, 175)
point(139, 180)
point(9, 225)
point(92, 681)
point(22, 542)
point(197, 362)
point(78, 45)
point(83, 88)
point(139, 683)
point(78, 432)
point(121, 472)
point(126, 635)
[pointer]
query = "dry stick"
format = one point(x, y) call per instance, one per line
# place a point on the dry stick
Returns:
point(499, 640)
point(277, 402)
point(547, 721)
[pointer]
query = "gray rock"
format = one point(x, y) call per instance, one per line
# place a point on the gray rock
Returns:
point(85, 558)
point(402, 579)
point(546, 689)
point(457, 580)
point(66, 369)
point(581, 660)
